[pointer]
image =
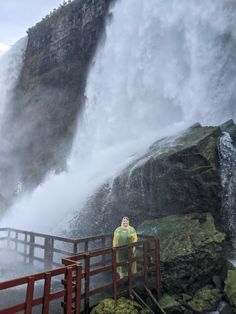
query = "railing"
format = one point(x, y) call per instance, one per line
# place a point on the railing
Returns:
point(103, 264)
point(84, 276)
point(66, 292)
point(49, 250)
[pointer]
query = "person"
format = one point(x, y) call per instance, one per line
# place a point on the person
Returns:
point(123, 235)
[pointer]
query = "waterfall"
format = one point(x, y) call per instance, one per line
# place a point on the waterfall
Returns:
point(165, 64)
point(228, 178)
point(10, 66)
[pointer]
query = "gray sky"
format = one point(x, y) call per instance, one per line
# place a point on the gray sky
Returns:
point(16, 16)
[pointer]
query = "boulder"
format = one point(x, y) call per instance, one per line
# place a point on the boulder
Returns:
point(205, 300)
point(230, 287)
point(121, 306)
point(177, 175)
point(170, 305)
point(191, 250)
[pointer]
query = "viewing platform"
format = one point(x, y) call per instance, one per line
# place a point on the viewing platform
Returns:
point(75, 273)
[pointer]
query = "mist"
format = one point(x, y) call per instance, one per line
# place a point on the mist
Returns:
point(158, 71)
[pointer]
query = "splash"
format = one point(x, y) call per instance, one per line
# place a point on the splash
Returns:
point(159, 71)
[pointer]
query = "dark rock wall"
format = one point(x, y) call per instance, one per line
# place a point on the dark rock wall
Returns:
point(41, 117)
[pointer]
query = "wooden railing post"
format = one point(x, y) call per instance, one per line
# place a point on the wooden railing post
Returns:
point(103, 246)
point(48, 252)
point(16, 242)
point(87, 282)
point(8, 237)
point(29, 295)
point(31, 248)
point(130, 255)
point(25, 246)
point(114, 275)
point(46, 294)
point(75, 248)
point(157, 262)
point(78, 289)
point(145, 262)
point(69, 290)
point(86, 246)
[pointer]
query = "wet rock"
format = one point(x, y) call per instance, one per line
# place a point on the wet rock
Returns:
point(177, 175)
point(206, 299)
point(121, 306)
point(191, 250)
point(230, 287)
point(170, 305)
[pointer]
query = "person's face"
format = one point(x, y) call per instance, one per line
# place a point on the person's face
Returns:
point(125, 222)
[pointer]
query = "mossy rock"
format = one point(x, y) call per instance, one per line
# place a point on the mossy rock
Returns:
point(170, 305)
point(121, 306)
point(230, 286)
point(182, 234)
point(206, 299)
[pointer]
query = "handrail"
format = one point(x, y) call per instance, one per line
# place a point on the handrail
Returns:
point(48, 295)
point(80, 269)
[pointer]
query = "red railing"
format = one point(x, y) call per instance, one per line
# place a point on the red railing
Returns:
point(86, 275)
point(46, 249)
point(66, 292)
point(104, 262)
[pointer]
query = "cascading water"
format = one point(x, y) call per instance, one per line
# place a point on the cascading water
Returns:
point(228, 179)
point(10, 66)
point(164, 65)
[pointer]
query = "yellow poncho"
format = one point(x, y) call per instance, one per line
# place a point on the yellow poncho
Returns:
point(124, 236)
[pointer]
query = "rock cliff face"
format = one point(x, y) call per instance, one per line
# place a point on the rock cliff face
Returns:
point(178, 175)
point(42, 114)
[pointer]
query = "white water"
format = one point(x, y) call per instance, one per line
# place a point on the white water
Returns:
point(3, 49)
point(164, 65)
point(10, 66)
point(228, 179)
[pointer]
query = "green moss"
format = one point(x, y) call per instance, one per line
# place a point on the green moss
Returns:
point(230, 286)
point(206, 299)
point(168, 302)
point(182, 234)
point(121, 306)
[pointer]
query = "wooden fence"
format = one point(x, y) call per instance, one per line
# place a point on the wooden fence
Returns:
point(85, 276)
point(47, 249)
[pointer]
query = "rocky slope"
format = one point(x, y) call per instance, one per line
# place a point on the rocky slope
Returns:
point(42, 114)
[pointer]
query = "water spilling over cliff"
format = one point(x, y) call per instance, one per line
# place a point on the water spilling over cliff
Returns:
point(228, 177)
point(11, 63)
point(157, 71)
